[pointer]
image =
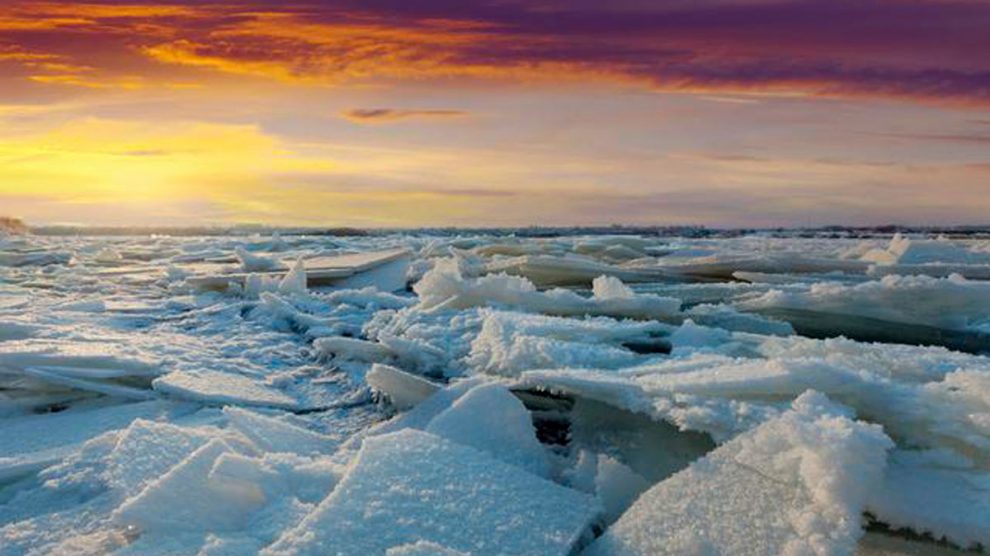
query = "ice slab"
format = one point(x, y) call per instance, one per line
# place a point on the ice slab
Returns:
point(185, 499)
point(320, 271)
point(413, 486)
point(94, 360)
point(404, 390)
point(795, 485)
point(490, 419)
point(927, 496)
point(53, 376)
point(276, 435)
point(22, 448)
point(907, 251)
point(146, 450)
point(545, 270)
point(925, 305)
point(510, 343)
point(216, 388)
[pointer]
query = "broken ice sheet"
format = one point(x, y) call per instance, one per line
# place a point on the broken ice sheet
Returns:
point(413, 486)
point(626, 384)
point(795, 485)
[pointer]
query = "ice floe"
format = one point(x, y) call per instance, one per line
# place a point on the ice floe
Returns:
point(289, 394)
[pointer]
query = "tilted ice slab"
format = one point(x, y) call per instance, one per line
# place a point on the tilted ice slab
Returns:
point(404, 390)
point(271, 434)
point(445, 287)
point(796, 485)
point(24, 449)
point(83, 360)
point(413, 486)
point(935, 492)
point(490, 419)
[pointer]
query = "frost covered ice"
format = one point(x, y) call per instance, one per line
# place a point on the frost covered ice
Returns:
point(485, 394)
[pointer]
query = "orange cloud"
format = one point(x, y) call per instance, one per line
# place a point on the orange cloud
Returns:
point(709, 48)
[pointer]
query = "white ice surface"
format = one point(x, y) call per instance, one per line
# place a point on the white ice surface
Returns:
point(490, 419)
point(413, 486)
point(795, 485)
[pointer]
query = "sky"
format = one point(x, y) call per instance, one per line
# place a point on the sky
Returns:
point(404, 113)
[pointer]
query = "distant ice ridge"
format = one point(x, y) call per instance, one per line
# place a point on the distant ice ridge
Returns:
point(603, 395)
point(952, 303)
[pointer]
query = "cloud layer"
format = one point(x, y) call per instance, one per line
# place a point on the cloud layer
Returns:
point(928, 50)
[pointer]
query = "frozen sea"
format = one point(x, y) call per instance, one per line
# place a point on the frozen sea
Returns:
point(445, 394)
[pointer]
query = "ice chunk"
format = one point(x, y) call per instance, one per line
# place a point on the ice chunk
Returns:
point(567, 271)
point(617, 486)
point(490, 419)
point(146, 450)
point(445, 287)
point(952, 303)
point(294, 283)
point(34, 259)
point(276, 435)
point(419, 417)
point(352, 349)
point(16, 330)
point(22, 445)
point(185, 499)
point(404, 390)
point(904, 250)
point(95, 360)
point(52, 376)
point(934, 497)
point(795, 485)
point(510, 343)
point(689, 337)
point(256, 263)
point(222, 388)
point(413, 486)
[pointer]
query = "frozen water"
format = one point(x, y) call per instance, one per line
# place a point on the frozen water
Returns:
point(794, 485)
point(292, 395)
point(413, 486)
point(492, 420)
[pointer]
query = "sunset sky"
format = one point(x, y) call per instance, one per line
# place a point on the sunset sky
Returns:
point(500, 112)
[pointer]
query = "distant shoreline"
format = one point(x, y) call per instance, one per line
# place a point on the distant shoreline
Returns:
point(967, 231)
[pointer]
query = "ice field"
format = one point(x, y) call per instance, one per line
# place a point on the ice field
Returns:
point(418, 394)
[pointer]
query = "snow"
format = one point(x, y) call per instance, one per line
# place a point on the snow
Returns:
point(444, 493)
